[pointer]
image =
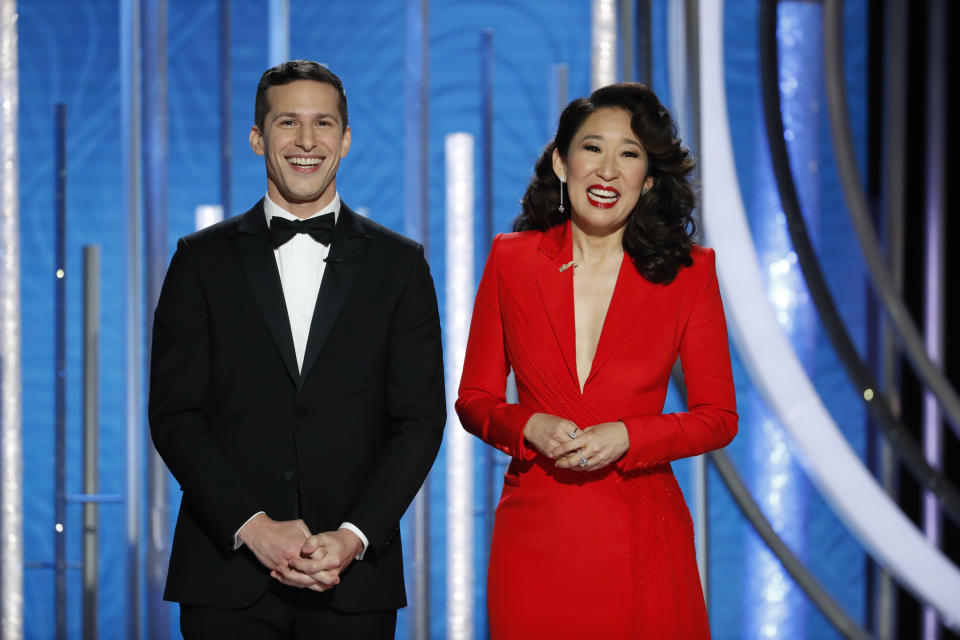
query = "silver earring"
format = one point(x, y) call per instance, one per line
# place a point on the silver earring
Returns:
point(562, 180)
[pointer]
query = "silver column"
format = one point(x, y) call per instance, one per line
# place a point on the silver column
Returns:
point(11, 458)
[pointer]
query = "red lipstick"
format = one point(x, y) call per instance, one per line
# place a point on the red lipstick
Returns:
point(602, 197)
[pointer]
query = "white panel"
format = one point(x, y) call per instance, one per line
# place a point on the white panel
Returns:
point(603, 44)
point(459, 303)
point(11, 463)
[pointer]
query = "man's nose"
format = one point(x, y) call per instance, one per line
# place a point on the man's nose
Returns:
point(305, 138)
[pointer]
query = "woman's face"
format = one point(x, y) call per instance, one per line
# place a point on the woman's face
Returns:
point(606, 171)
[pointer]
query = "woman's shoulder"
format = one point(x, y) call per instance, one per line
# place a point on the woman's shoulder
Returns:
point(516, 243)
point(702, 268)
point(702, 256)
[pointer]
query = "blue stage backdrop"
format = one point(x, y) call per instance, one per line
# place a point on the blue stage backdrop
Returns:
point(70, 53)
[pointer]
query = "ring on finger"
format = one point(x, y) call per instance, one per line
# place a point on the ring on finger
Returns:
point(583, 461)
point(573, 434)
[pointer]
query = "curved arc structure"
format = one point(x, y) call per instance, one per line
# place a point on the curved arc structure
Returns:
point(832, 611)
point(832, 465)
point(883, 283)
point(859, 373)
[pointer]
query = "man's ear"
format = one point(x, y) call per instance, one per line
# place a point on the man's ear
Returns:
point(345, 143)
point(256, 140)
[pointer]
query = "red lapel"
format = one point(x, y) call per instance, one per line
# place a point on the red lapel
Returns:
point(630, 295)
point(556, 290)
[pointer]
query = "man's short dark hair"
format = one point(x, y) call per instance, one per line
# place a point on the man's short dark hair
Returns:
point(296, 70)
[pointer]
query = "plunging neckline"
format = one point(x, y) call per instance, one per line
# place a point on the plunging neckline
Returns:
point(582, 385)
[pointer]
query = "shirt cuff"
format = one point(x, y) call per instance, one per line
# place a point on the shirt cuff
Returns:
point(366, 543)
point(237, 542)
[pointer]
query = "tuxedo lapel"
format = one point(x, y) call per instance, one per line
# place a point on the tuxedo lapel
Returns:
point(630, 295)
point(342, 264)
point(556, 291)
point(252, 243)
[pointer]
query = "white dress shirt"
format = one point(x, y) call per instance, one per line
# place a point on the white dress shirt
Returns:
point(300, 262)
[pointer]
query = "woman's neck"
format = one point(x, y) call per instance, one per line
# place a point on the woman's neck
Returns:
point(591, 249)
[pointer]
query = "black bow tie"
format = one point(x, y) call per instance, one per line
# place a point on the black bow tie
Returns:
point(319, 228)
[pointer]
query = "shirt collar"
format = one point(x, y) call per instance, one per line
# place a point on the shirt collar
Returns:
point(271, 208)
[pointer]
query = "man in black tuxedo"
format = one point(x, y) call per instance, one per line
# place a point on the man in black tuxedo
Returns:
point(296, 392)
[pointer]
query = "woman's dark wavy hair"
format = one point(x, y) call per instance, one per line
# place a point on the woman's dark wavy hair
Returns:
point(658, 233)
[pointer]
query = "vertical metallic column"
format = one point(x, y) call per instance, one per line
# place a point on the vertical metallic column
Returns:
point(91, 426)
point(677, 64)
point(459, 302)
point(155, 155)
point(278, 25)
point(603, 43)
point(559, 81)
point(416, 219)
point(132, 162)
point(11, 451)
point(777, 479)
point(644, 47)
point(226, 122)
point(893, 191)
point(628, 47)
point(936, 125)
point(60, 371)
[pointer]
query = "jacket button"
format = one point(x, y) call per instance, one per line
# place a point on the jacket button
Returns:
point(288, 475)
point(301, 411)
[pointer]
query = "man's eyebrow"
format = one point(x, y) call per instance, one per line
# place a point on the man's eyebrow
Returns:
point(296, 114)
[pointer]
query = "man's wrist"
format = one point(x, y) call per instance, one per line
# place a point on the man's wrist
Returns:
point(241, 536)
point(358, 537)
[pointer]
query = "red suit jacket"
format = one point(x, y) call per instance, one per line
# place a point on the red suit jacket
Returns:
point(642, 577)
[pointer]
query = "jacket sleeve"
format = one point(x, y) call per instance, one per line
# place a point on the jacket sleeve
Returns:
point(417, 411)
point(179, 380)
point(481, 404)
point(711, 419)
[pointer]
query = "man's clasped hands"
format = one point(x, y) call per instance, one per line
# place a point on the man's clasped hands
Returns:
point(296, 557)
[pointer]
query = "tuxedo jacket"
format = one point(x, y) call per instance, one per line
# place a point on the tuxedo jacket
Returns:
point(350, 437)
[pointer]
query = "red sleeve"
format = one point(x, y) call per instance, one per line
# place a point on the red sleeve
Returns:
point(711, 419)
point(481, 403)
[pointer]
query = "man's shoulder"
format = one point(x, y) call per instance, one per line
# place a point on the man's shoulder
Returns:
point(384, 237)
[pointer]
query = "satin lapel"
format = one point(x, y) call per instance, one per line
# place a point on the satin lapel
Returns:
point(630, 296)
point(253, 247)
point(556, 291)
point(346, 255)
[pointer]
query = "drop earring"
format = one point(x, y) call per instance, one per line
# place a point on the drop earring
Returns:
point(562, 180)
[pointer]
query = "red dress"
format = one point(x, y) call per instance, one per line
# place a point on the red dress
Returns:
point(604, 554)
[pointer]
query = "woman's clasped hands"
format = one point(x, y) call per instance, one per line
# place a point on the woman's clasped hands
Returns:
point(587, 449)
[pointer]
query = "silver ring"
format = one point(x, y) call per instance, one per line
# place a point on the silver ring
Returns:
point(583, 462)
point(573, 434)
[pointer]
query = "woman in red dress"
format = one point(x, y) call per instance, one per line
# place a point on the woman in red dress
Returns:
point(590, 303)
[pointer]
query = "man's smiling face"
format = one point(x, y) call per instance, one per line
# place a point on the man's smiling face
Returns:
point(302, 142)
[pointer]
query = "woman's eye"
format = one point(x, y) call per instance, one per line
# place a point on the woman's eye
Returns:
point(591, 147)
point(631, 154)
